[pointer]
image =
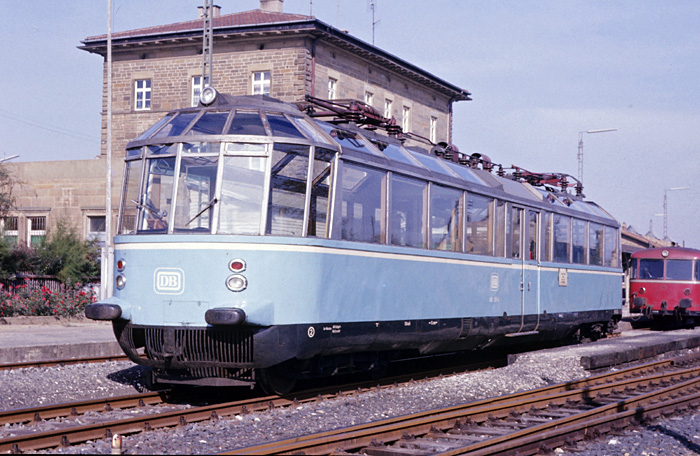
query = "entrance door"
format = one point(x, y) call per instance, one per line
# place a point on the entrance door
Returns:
point(525, 243)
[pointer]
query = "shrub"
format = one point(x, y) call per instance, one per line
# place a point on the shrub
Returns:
point(70, 300)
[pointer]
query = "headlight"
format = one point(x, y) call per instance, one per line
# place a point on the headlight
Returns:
point(208, 95)
point(236, 282)
point(120, 281)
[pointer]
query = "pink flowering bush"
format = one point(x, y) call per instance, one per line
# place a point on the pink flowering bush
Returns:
point(70, 300)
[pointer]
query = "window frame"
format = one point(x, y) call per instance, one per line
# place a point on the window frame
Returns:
point(143, 95)
point(265, 82)
point(332, 88)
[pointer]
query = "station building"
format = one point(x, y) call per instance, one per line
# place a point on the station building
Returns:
point(263, 51)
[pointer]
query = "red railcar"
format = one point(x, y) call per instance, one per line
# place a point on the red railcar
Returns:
point(665, 284)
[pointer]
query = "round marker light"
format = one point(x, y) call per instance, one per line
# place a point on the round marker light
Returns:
point(208, 95)
point(686, 292)
point(121, 264)
point(120, 281)
point(237, 265)
point(664, 253)
point(236, 282)
point(642, 290)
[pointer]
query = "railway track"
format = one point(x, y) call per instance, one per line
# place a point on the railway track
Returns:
point(63, 362)
point(74, 433)
point(522, 423)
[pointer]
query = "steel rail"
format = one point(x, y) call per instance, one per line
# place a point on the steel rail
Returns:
point(78, 408)
point(63, 362)
point(420, 423)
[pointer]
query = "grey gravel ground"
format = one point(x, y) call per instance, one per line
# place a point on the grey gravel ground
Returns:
point(40, 386)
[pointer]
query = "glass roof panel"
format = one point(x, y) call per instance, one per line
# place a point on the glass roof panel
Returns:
point(247, 123)
point(432, 163)
point(211, 123)
point(350, 140)
point(465, 173)
point(281, 126)
point(397, 153)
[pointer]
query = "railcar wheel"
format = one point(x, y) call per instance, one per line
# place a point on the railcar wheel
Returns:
point(274, 381)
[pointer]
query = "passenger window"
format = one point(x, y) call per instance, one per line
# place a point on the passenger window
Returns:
point(158, 195)
point(547, 236)
point(288, 175)
point(679, 269)
point(578, 253)
point(195, 200)
point(516, 232)
point(479, 224)
point(320, 184)
point(611, 247)
point(362, 197)
point(445, 218)
point(500, 222)
point(595, 244)
point(406, 225)
point(242, 192)
point(532, 235)
point(562, 238)
point(697, 270)
point(651, 269)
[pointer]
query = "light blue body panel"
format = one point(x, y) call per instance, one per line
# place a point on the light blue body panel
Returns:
point(173, 280)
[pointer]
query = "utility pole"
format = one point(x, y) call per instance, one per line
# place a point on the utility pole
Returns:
point(580, 148)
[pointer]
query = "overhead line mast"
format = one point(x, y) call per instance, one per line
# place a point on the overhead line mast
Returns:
point(207, 44)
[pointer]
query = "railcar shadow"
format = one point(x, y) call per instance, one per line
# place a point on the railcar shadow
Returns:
point(136, 376)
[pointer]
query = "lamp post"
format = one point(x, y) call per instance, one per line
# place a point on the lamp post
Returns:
point(580, 148)
point(666, 190)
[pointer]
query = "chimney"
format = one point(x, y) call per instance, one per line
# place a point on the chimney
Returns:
point(273, 6)
point(215, 11)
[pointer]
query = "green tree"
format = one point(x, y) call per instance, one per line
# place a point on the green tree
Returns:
point(7, 182)
point(65, 256)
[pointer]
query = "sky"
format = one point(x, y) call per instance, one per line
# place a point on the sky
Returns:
point(540, 73)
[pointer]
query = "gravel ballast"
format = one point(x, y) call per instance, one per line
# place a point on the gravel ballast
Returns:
point(29, 387)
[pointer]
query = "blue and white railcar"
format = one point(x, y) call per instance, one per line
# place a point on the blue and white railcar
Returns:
point(257, 244)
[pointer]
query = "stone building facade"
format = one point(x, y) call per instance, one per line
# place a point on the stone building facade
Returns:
point(263, 51)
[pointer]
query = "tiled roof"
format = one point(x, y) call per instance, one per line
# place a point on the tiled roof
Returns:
point(252, 17)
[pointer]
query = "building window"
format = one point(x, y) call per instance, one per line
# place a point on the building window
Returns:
point(197, 86)
point(96, 228)
point(332, 88)
point(406, 119)
point(261, 83)
point(142, 94)
point(36, 227)
point(388, 108)
point(433, 129)
point(10, 233)
point(369, 98)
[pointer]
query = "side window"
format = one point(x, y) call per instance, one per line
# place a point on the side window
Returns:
point(532, 229)
point(320, 186)
point(142, 94)
point(479, 224)
point(290, 165)
point(516, 231)
point(501, 234)
point(547, 236)
point(696, 276)
point(595, 244)
point(578, 253)
point(362, 209)
point(445, 218)
point(562, 238)
point(612, 242)
point(406, 220)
